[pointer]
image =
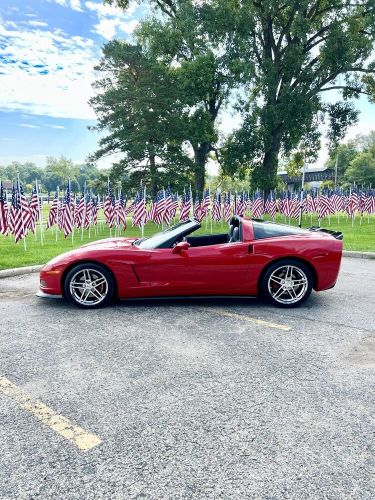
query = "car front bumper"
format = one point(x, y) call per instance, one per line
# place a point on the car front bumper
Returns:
point(45, 295)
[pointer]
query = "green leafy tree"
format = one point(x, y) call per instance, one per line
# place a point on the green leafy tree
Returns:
point(58, 171)
point(205, 71)
point(138, 106)
point(293, 53)
point(344, 153)
point(361, 170)
point(300, 50)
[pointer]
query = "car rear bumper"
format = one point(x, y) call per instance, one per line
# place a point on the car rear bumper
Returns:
point(45, 295)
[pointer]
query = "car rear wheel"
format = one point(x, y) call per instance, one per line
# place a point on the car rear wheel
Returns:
point(89, 286)
point(287, 283)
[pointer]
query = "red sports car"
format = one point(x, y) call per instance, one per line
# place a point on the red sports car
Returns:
point(280, 263)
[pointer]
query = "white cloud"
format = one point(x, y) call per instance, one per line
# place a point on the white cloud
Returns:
point(57, 126)
point(28, 125)
point(73, 4)
point(54, 80)
point(107, 28)
point(113, 20)
point(37, 23)
point(109, 10)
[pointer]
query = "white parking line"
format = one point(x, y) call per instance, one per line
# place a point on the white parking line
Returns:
point(62, 425)
point(249, 319)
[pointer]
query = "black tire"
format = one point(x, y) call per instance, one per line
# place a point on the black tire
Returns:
point(89, 286)
point(286, 290)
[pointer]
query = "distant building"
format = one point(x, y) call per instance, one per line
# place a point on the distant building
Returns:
point(7, 185)
point(313, 176)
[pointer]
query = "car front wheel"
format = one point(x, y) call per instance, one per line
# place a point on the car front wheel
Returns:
point(89, 286)
point(287, 283)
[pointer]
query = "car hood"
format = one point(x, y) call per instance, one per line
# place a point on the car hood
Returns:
point(85, 250)
point(109, 243)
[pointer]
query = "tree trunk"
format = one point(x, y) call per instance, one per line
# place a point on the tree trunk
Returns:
point(200, 159)
point(153, 176)
point(270, 163)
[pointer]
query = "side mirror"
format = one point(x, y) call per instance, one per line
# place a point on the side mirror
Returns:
point(180, 247)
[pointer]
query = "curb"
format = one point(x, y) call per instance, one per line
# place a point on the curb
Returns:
point(18, 271)
point(359, 255)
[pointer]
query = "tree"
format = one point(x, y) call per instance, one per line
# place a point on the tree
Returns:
point(58, 171)
point(300, 50)
point(294, 52)
point(185, 40)
point(344, 153)
point(361, 170)
point(139, 107)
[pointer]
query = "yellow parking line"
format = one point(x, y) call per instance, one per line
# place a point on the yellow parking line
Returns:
point(62, 425)
point(249, 319)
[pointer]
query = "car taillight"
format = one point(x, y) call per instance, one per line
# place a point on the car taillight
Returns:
point(43, 284)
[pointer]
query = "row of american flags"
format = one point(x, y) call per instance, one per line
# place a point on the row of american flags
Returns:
point(20, 215)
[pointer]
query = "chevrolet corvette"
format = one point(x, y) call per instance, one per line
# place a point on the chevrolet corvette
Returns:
point(280, 263)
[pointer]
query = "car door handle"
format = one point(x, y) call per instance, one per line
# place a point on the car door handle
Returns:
point(250, 249)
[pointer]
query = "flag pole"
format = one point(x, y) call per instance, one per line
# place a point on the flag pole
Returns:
point(40, 206)
point(74, 209)
point(22, 221)
point(302, 192)
point(144, 214)
point(84, 211)
point(57, 210)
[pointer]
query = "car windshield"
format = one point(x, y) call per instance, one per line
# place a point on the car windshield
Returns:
point(166, 238)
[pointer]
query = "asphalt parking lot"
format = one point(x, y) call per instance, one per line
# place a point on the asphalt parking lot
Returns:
point(189, 399)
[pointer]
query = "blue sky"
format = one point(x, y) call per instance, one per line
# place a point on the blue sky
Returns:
point(48, 49)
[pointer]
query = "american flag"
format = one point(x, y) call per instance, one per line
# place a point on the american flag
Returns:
point(95, 210)
point(87, 221)
point(25, 209)
point(370, 202)
point(324, 208)
point(52, 216)
point(241, 205)
point(109, 209)
point(168, 206)
point(296, 205)
point(3, 211)
point(198, 212)
point(120, 211)
point(353, 203)
point(270, 205)
point(158, 207)
point(80, 212)
point(206, 200)
point(68, 213)
point(286, 204)
point(185, 207)
point(258, 205)
point(337, 200)
point(34, 209)
point(15, 223)
point(174, 205)
point(227, 207)
point(139, 214)
point(216, 208)
point(362, 202)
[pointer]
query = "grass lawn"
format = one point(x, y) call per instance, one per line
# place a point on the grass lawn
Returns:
point(358, 237)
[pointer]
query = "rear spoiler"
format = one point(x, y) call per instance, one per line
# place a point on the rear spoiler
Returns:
point(336, 234)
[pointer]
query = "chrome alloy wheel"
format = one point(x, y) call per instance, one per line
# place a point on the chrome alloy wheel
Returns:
point(287, 284)
point(88, 287)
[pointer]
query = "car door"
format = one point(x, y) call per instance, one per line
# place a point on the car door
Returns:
point(208, 270)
